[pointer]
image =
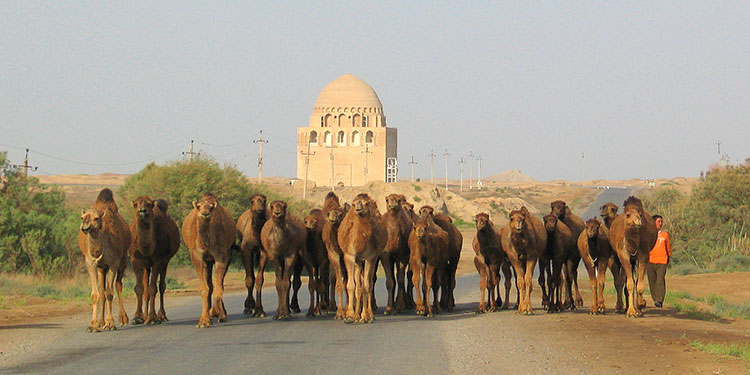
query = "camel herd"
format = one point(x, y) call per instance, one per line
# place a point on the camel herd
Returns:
point(341, 247)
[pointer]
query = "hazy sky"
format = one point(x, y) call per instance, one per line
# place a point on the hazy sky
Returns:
point(644, 89)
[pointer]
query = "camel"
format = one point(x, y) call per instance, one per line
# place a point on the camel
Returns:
point(362, 237)
point(283, 238)
point(559, 245)
point(156, 240)
point(315, 260)
point(209, 233)
point(398, 225)
point(445, 222)
point(248, 229)
point(597, 255)
point(523, 240)
point(337, 275)
point(608, 213)
point(429, 254)
point(489, 258)
point(104, 238)
point(576, 226)
point(632, 235)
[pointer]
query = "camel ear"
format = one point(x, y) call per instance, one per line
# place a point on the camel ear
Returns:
point(132, 203)
point(105, 214)
point(195, 205)
point(83, 211)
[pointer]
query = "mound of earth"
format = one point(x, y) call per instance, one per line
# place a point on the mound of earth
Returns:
point(512, 175)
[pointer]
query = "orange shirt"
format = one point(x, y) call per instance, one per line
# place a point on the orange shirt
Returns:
point(662, 250)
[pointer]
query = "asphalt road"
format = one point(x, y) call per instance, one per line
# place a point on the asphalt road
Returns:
point(455, 342)
point(616, 195)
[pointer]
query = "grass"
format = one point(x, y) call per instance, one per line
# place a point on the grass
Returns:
point(416, 187)
point(717, 303)
point(741, 351)
point(416, 199)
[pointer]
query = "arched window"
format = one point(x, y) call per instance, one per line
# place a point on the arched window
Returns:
point(369, 138)
point(342, 120)
point(321, 121)
point(314, 137)
point(357, 120)
point(341, 138)
point(328, 138)
point(364, 121)
point(355, 138)
point(328, 120)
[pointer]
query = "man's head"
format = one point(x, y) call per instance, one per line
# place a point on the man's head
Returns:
point(658, 221)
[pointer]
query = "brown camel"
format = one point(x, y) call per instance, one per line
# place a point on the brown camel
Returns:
point(489, 258)
point(456, 239)
point(337, 274)
point(559, 245)
point(248, 229)
point(104, 238)
point(398, 225)
point(524, 239)
point(315, 260)
point(429, 254)
point(576, 226)
point(283, 238)
point(597, 255)
point(632, 236)
point(209, 232)
point(362, 237)
point(156, 240)
point(608, 213)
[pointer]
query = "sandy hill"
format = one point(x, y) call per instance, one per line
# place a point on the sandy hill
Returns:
point(511, 175)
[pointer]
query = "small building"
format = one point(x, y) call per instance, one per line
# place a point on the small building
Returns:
point(348, 141)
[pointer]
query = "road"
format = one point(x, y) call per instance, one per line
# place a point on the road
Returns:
point(616, 195)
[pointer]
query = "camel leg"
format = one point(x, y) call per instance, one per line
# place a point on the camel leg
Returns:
point(589, 263)
point(601, 278)
point(123, 316)
point(416, 268)
point(574, 276)
point(410, 304)
point(628, 271)
point(218, 292)
point(296, 283)
point(450, 285)
point(109, 320)
point(151, 294)
point(543, 269)
point(284, 272)
point(324, 286)
point(367, 311)
point(162, 316)
point(312, 287)
point(494, 280)
point(247, 262)
point(386, 259)
point(335, 260)
point(641, 285)
point(619, 281)
point(429, 272)
point(201, 268)
point(483, 276)
point(530, 263)
point(508, 281)
point(139, 272)
point(520, 283)
point(93, 277)
point(569, 301)
point(349, 262)
point(555, 285)
point(401, 284)
point(258, 309)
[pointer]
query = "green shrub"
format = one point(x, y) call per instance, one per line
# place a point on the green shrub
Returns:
point(416, 199)
point(416, 187)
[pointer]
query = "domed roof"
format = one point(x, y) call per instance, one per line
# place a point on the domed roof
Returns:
point(347, 91)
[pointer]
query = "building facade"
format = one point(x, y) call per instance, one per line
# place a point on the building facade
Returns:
point(348, 141)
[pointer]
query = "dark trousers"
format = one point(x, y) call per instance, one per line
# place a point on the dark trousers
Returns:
point(656, 284)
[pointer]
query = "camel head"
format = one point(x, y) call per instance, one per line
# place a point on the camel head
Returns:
point(144, 208)
point(258, 203)
point(408, 207)
point(608, 211)
point(335, 215)
point(426, 211)
point(592, 227)
point(311, 222)
point(482, 220)
point(393, 201)
point(420, 228)
point(558, 209)
point(633, 211)
point(161, 205)
point(550, 223)
point(206, 206)
point(91, 221)
point(362, 205)
point(517, 221)
point(278, 210)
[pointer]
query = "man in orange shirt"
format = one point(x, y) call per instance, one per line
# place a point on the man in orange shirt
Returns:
point(657, 263)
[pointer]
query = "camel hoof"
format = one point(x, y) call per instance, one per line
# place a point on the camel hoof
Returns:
point(310, 314)
point(93, 329)
point(259, 313)
point(137, 321)
point(247, 311)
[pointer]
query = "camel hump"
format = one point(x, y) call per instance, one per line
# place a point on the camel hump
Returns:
point(633, 201)
point(105, 195)
point(105, 201)
point(162, 205)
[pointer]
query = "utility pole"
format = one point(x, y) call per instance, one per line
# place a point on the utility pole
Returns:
point(260, 143)
point(307, 166)
point(446, 154)
point(471, 169)
point(412, 162)
point(25, 165)
point(191, 153)
point(461, 171)
point(583, 168)
point(479, 174)
point(432, 166)
point(330, 156)
point(367, 153)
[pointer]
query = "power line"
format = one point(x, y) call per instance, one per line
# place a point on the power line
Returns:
point(173, 151)
point(412, 162)
point(190, 152)
point(25, 165)
point(307, 166)
point(461, 171)
point(260, 143)
point(432, 166)
point(446, 154)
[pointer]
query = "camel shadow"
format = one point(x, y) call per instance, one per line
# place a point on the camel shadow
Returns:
point(39, 325)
